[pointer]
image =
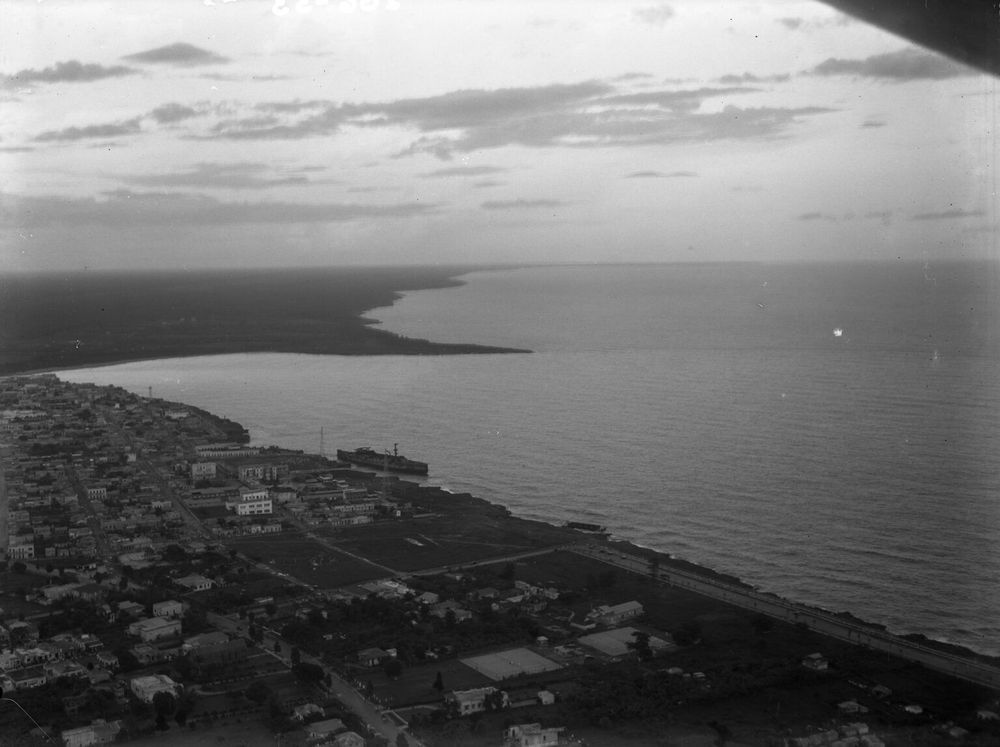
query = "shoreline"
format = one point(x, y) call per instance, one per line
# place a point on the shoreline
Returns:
point(92, 321)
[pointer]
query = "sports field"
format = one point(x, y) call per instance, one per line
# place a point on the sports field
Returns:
point(511, 663)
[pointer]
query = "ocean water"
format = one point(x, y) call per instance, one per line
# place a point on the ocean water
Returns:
point(830, 433)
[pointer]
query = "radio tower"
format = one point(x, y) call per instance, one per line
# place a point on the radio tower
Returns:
point(322, 450)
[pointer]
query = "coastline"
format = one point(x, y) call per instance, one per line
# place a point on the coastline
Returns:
point(94, 320)
point(667, 562)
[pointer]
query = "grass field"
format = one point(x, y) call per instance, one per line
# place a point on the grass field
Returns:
point(305, 559)
point(446, 540)
point(415, 684)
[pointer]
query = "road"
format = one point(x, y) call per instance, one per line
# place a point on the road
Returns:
point(822, 622)
point(370, 713)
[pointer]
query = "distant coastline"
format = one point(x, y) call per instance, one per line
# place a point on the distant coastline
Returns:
point(58, 322)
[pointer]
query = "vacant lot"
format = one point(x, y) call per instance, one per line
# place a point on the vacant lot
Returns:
point(305, 559)
point(416, 683)
point(511, 663)
point(446, 540)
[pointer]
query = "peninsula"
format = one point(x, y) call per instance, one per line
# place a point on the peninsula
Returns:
point(167, 580)
point(58, 321)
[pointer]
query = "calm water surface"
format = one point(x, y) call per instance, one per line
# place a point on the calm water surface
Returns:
point(829, 433)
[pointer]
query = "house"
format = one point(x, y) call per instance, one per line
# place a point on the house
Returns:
point(319, 729)
point(146, 688)
point(546, 697)
point(348, 739)
point(99, 732)
point(531, 735)
point(25, 679)
point(372, 657)
point(302, 712)
point(194, 582)
point(615, 614)
point(132, 609)
point(817, 662)
point(251, 502)
point(428, 597)
point(465, 702)
point(170, 608)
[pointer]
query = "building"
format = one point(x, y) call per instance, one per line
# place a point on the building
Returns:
point(170, 608)
point(253, 501)
point(372, 657)
point(202, 470)
point(194, 582)
point(349, 739)
point(225, 451)
point(99, 732)
point(817, 662)
point(615, 614)
point(320, 729)
point(466, 702)
point(531, 735)
point(146, 688)
point(154, 628)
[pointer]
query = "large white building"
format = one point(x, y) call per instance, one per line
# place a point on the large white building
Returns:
point(253, 501)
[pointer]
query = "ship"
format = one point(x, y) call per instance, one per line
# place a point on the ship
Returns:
point(393, 462)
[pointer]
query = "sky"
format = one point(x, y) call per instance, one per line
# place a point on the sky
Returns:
point(183, 134)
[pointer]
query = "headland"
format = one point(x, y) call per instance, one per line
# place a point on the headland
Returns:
point(61, 321)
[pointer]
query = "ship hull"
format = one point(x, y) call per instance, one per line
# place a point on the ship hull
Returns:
point(369, 458)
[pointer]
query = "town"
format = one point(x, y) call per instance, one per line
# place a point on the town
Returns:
point(167, 582)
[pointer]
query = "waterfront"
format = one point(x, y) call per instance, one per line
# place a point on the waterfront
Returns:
point(861, 467)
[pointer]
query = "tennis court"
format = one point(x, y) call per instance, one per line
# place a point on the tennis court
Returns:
point(510, 663)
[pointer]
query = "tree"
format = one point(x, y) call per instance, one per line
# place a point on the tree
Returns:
point(308, 673)
point(258, 692)
point(507, 574)
point(296, 656)
point(392, 668)
point(19, 567)
point(640, 645)
point(438, 683)
point(164, 704)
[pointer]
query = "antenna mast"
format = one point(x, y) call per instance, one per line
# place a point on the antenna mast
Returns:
point(322, 450)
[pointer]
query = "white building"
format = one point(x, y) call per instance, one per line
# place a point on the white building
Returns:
point(474, 701)
point(253, 501)
point(146, 688)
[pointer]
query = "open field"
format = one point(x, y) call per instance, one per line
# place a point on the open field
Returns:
point(415, 684)
point(305, 559)
point(446, 540)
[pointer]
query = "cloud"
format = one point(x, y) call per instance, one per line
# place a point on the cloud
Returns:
point(903, 65)
point(521, 204)
point(818, 216)
point(464, 171)
point(486, 183)
point(872, 123)
point(113, 129)
point(124, 208)
point(659, 174)
point(654, 15)
point(15, 149)
point(170, 113)
point(72, 71)
point(220, 176)
point(792, 23)
point(949, 214)
point(586, 114)
point(180, 54)
point(631, 76)
point(751, 78)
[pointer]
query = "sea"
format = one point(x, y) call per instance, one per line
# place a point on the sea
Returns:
point(826, 432)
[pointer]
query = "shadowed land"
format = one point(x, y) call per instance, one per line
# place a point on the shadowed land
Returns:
point(84, 319)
